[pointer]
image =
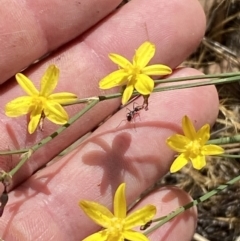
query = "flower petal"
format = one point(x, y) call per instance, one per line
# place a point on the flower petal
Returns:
point(140, 217)
point(144, 84)
point(63, 97)
point(127, 94)
point(203, 134)
point(35, 117)
point(116, 78)
point(97, 212)
point(133, 235)
point(114, 237)
point(49, 80)
point(178, 163)
point(144, 54)
point(120, 61)
point(19, 106)
point(55, 112)
point(100, 236)
point(199, 162)
point(26, 84)
point(178, 142)
point(212, 150)
point(157, 69)
point(120, 206)
point(188, 128)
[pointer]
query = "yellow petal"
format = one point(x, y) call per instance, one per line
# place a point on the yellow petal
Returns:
point(157, 69)
point(49, 80)
point(144, 84)
point(35, 117)
point(178, 163)
point(99, 236)
point(98, 213)
point(116, 78)
point(203, 134)
point(188, 128)
point(120, 61)
point(178, 142)
point(144, 54)
point(199, 162)
point(19, 106)
point(120, 206)
point(63, 97)
point(133, 235)
point(26, 84)
point(140, 217)
point(212, 150)
point(127, 94)
point(55, 112)
point(114, 237)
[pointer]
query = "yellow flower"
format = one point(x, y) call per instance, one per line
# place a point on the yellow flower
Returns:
point(192, 146)
point(118, 226)
point(40, 103)
point(136, 74)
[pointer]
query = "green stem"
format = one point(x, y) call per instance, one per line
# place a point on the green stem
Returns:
point(11, 152)
point(191, 204)
point(52, 136)
point(229, 156)
point(195, 77)
point(198, 84)
point(100, 98)
point(225, 140)
point(234, 77)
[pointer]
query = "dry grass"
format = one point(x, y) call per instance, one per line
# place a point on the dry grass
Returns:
point(219, 217)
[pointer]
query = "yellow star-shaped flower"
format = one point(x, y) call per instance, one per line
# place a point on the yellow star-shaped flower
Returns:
point(192, 146)
point(40, 103)
point(118, 226)
point(135, 75)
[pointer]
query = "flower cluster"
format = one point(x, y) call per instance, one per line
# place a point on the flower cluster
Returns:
point(135, 75)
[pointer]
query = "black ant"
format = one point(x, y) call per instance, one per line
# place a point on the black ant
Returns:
point(132, 113)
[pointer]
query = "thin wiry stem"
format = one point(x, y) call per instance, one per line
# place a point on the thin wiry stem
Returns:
point(170, 216)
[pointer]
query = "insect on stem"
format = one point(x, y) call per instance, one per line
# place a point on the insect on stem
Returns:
point(131, 115)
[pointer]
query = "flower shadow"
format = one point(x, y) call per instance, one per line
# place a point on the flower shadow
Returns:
point(115, 161)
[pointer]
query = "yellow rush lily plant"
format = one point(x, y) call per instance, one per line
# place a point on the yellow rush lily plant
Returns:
point(41, 103)
point(192, 146)
point(135, 77)
point(118, 226)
